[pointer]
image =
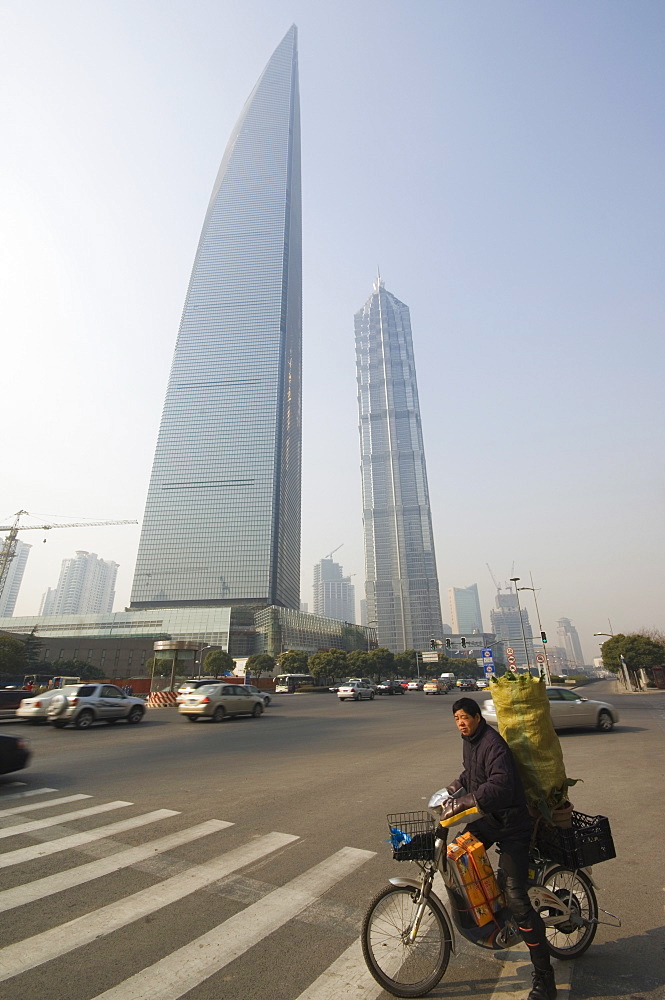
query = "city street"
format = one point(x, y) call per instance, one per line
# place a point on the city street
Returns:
point(236, 860)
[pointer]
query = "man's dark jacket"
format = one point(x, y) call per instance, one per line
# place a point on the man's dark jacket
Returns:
point(491, 775)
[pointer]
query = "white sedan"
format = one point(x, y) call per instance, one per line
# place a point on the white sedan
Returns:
point(34, 709)
point(569, 710)
point(355, 691)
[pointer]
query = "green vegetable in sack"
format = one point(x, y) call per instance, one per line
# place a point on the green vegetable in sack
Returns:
point(523, 714)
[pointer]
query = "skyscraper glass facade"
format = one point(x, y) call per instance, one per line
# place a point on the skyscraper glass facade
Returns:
point(402, 588)
point(222, 518)
point(465, 609)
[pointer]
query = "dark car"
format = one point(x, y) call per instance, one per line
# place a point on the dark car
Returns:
point(11, 698)
point(14, 753)
point(390, 687)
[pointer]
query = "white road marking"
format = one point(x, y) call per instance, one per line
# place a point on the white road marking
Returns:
point(49, 885)
point(15, 810)
point(31, 952)
point(41, 824)
point(22, 854)
point(181, 971)
point(24, 795)
point(521, 974)
point(348, 976)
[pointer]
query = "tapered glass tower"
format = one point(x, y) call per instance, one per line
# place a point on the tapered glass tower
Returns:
point(401, 586)
point(222, 518)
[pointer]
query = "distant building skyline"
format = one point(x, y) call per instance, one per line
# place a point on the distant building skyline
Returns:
point(222, 516)
point(505, 619)
point(569, 640)
point(334, 594)
point(14, 579)
point(86, 586)
point(401, 584)
point(465, 613)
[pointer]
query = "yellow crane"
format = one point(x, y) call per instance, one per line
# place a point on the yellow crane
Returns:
point(9, 546)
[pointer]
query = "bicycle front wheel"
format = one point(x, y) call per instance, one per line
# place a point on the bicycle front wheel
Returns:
point(402, 967)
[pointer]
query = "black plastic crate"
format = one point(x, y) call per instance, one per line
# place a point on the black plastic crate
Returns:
point(412, 835)
point(587, 842)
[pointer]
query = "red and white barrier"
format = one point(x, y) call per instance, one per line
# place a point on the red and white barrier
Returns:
point(161, 699)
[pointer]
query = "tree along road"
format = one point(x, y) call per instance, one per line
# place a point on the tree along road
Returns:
point(127, 879)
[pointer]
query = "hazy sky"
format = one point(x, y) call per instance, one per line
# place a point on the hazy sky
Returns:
point(503, 164)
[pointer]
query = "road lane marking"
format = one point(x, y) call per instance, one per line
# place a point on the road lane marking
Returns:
point(348, 976)
point(15, 810)
point(186, 968)
point(24, 795)
point(31, 952)
point(521, 975)
point(42, 824)
point(50, 884)
point(73, 840)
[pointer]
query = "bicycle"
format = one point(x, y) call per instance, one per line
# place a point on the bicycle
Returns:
point(408, 934)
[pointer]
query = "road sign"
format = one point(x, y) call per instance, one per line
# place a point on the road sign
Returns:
point(428, 657)
point(488, 668)
point(509, 650)
point(511, 661)
point(486, 654)
point(540, 657)
point(513, 667)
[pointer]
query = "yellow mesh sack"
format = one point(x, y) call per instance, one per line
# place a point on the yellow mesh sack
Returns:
point(523, 715)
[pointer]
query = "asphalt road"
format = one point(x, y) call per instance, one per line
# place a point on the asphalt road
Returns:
point(213, 911)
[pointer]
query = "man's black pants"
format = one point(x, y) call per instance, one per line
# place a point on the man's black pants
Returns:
point(514, 861)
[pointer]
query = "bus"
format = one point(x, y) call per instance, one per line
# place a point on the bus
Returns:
point(288, 683)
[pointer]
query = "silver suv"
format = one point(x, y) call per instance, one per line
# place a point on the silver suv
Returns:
point(83, 704)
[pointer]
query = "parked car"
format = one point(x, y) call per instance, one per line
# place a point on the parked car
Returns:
point(263, 695)
point(415, 685)
point(14, 753)
point(35, 708)
point(221, 701)
point(390, 687)
point(355, 691)
point(83, 704)
point(569, 710)
point(436, 686)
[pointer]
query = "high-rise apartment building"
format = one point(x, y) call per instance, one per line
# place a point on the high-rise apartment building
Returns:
point(401, 587)
point(465, 609)
point(505, 618)
point(14, 579)
point(86, 586)
point(334, 594)
point(570, 641)
point(222, 518)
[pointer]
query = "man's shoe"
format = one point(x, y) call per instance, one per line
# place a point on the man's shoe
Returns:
point(544, 987)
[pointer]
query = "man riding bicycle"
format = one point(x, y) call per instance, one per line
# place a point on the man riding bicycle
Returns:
point(490, 789)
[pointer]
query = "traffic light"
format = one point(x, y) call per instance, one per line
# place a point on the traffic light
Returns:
point(447, 643)
point(432, 644)
point(543, 636)
point(463, 641)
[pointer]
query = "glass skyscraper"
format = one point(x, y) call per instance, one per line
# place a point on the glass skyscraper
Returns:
point(222, 518)
point(402, 588)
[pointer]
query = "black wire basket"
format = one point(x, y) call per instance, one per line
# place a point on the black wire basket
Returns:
point(587, 842)
point(412, 835)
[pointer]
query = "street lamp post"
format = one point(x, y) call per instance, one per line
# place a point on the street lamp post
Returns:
point(200, 661)
point(624, 670)
point(548, 675)
point(515, 580)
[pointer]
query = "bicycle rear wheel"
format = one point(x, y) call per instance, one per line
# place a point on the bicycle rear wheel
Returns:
point(404, 968)
point(571, 939)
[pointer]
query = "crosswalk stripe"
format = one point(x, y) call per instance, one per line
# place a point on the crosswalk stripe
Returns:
point(50, 884)
point(74, 840)
point(24, 795)
point(42, 824)
point(348, 976)
point(181, 971)
point(15, 810)
point(30, 952)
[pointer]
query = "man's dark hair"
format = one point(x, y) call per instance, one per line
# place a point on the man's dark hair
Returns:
point(467, 705)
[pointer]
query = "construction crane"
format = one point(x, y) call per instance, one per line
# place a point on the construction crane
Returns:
point(9, 546)
point(331, 554)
